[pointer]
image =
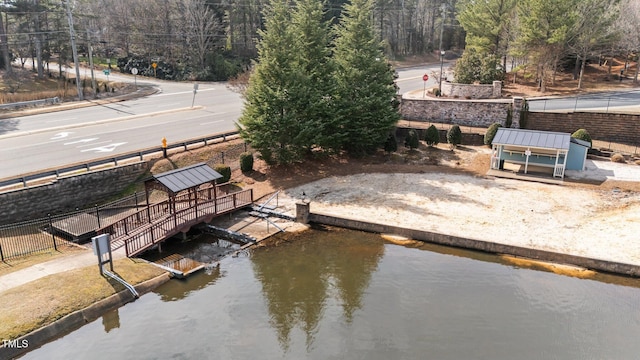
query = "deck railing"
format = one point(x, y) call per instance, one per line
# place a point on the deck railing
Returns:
point(138, 236)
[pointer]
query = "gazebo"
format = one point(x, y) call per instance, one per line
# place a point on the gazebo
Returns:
point(533, 149)
point(182, 185)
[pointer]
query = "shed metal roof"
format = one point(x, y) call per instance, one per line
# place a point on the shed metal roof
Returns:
point(581, 142)
point(187, 177)
point(532, 138)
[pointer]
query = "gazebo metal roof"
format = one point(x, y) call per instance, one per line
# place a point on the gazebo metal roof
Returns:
point(532, 138)
point(187, 177)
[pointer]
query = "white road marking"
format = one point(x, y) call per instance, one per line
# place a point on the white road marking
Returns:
point(94, 144)
point(181, 92)
point(61, 135)
point(102, 149)
point(81, 141)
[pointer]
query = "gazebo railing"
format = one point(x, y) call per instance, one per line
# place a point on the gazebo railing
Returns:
point(140, 230)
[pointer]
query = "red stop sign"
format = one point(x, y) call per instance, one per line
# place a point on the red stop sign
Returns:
point(425, 77)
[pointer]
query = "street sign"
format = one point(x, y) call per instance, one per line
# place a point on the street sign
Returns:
point(106, 71)
point(195, 90)
point(154, 65)
point(134, 71)
point(425, 77)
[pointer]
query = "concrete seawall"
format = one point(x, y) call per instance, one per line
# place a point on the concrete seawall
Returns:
point(75, 320)
point(480, 245)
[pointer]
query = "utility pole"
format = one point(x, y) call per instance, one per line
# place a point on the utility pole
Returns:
point(93, 78)
point(38, 39)
point(72, 33)
point(444, 17)
point(441, 52)
point(5, 48)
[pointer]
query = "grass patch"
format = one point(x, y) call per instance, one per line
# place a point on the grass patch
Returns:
point(43, 301)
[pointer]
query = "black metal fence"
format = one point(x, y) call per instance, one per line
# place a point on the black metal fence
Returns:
point(230, 156)
point(48, 233)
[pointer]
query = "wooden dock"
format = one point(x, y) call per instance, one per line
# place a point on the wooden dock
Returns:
point(179, 265)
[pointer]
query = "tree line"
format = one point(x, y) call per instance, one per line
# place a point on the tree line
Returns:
point(216, 39)
point(545, 36)
point(204, 39)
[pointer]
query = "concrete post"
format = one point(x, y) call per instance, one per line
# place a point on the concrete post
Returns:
point(302, 212)
point(497, 89)
point(518, 103)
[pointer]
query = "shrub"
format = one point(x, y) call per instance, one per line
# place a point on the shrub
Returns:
point(391, 144)
point(454, 135)
point(524, 114)
point(477, 66)
point(436, 92)
point(225, 171)
point(582, 134)
point(246, 162)
point(509, 121)
point(618, 158)
point(412, 140)
point(491, 133)
point(432, 137)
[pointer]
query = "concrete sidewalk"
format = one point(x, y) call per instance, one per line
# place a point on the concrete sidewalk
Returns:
point(61, 264)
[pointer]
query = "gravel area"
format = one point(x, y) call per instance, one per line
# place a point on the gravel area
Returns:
point(591, 222)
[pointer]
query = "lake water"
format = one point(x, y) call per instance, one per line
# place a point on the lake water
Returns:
point(351, 295)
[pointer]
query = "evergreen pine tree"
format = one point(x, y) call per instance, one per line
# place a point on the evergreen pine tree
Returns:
point(366, 106)
point(269, 122)
point(432, 136)
point(391, 145)
point(454, 136)
point(413, 140)
point(315, 89)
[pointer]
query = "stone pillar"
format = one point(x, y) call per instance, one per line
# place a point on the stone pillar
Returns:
point(497, 89)
point(302, 212)
point(518, 103)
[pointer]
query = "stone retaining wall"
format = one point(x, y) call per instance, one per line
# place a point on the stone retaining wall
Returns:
point(67, 193)
point(474, 113)
point(472, 91)
point(618, 128)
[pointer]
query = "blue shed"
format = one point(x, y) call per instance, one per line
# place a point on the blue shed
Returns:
point(577, 154)
point(544, 149)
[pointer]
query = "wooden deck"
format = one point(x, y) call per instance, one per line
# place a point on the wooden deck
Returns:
point(152, 225)
point(179, 265)
point(78, 227)
point(527, 177)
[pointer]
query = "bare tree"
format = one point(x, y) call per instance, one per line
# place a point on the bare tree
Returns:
point(629, 24)
point(201, 29)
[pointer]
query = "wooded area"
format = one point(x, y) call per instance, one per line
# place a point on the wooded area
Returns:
point(216, 39)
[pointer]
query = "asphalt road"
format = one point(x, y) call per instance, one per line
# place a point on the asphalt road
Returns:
point(410, 79)
point(32, 143)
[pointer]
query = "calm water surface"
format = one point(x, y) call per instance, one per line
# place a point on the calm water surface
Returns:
point(350, 295)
